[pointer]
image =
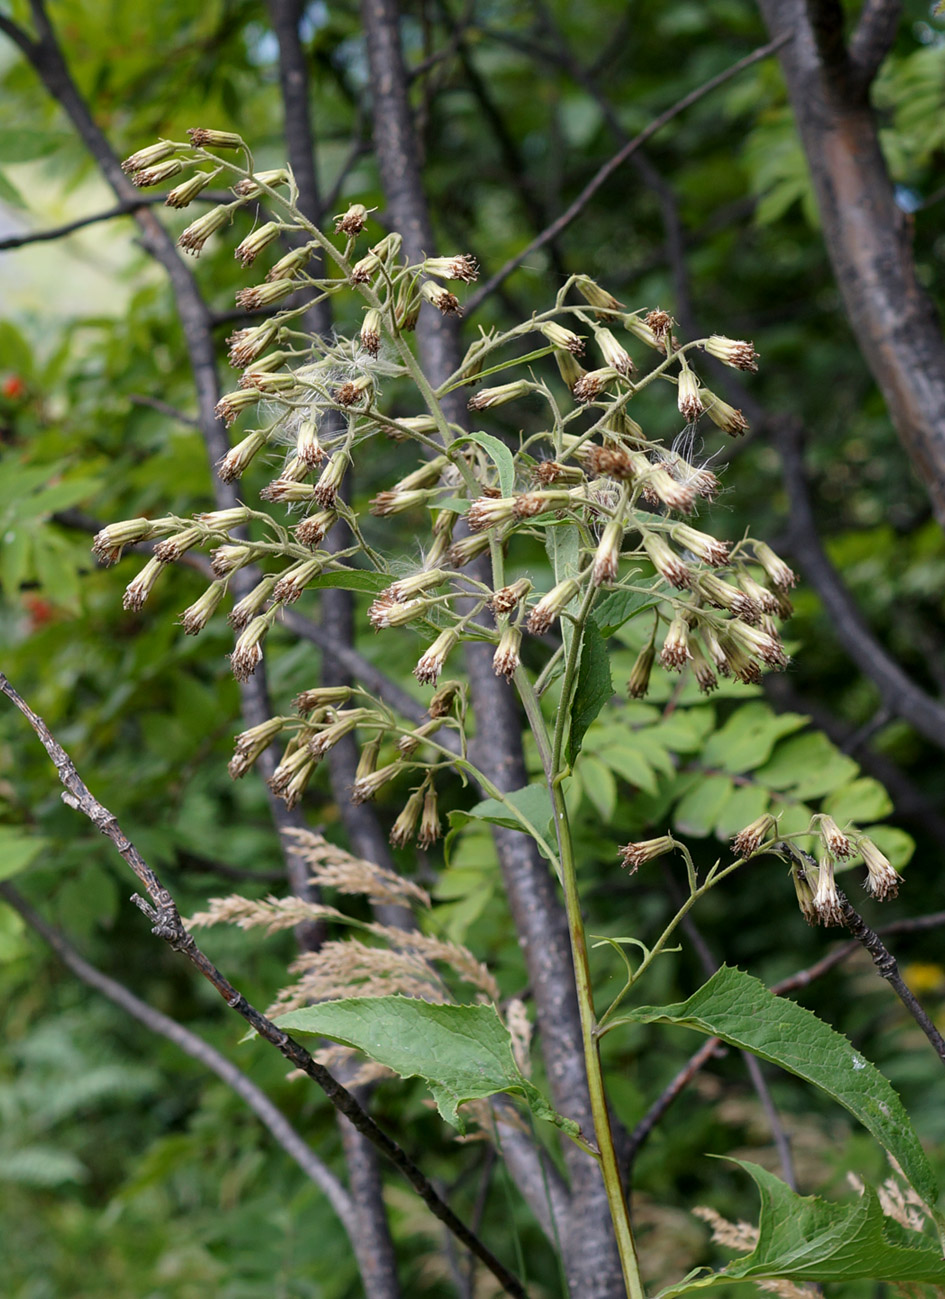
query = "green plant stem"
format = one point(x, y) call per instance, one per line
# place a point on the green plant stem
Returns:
point(610, 1169)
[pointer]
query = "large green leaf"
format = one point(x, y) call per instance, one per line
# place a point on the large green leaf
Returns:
point(530, 811)
point(802, 1238)
point(463, 1052)
point(748, 737)
point(595, 686)
point(17, 849)
point(740, 1010)
point(617, 607)
point(702, 806)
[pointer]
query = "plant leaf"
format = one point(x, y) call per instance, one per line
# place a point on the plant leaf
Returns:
point(803, 1238)
point(502, 457)
point(533, 805)
point(595, 686)
point(463, 1052)
point(740, 1010)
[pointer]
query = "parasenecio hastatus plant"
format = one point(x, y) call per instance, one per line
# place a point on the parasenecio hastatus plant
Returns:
point(617, 511)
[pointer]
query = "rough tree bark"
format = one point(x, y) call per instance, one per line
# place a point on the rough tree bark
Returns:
point(867, 236)
point(590, 1255)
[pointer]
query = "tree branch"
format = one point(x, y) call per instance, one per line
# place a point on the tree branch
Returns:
point(129, 207)
point(577, 206)
point(199, 1050)
point(166, 924)
point(898, 692)
point(873, 37)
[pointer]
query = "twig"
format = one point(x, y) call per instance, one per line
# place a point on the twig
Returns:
point(574, 209)
point(199, 1050)
point(163, 408)
point(166, 924)
point(897, 690)
point(872, 38)
point(129, 207)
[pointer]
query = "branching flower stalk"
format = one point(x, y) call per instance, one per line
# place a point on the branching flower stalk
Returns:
point(615, 506)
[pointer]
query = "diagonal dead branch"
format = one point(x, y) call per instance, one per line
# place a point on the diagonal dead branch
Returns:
point(166, 924)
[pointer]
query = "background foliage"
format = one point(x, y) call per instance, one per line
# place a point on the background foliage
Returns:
point(127, 1171)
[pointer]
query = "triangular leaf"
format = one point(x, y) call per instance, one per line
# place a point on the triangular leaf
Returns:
point(802, 1238)
point(740, 1010)
point(463, 1052)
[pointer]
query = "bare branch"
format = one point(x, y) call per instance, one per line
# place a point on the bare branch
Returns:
point(163, 408)
point(826, 25)
point(620, 157)
point(166, 924)
point(129, 207)
point(199, 1050)
point(872, 37)
point(897, 690)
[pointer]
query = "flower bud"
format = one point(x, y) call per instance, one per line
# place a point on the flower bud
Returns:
point(403, 828)
point(202, 137)
point(445, 302)
point(755, 641)
point(429, 821)
point(661, 322)
point(353, 221)
point(367, 759)
point(505, 392)
point(701, 544)
point(405, 588)
point(288, 266)
point(882, 880)
point(140, 587)
point(726, 417)
point(559, 336)
point(550, 606)
point(467, 549)
point(462, 267)
point(507, 658)
point(431, 663)
point(321, 697)
point(227, 559)
point(149, 156)
point(639, 682)
point(428, 475)
point(232, 403)
point(251, 186)
point(247, 653)
point(675, 652)
point(736, 353)
point(108, 544)
point(569, 368)
point(687, 396)
point(354, 390)
point(295, 579)
point(397, 502)
point(641, 330)
point(702, 670)
point(254, 243)
point(196, 616)
point(781, 576)
point(603, 302)
point(385, 612)
point(288, 490)
point(805, 893)
point(251, 604)
point(826, 897)
point(633, 855)
point(766, 601)
point(198, 232)
point(332, 476)
point(250, 744)
point(507, 597)
point(371, 331)
point(593, 382)
point(265, 295)
point(156, 175)
point(247, 345)
point(547, 472)
point(311, 530)
point(171, 548)
point(614, 353)
point(722, 595)
point(833, 838)
point(666, 562)
point(607, 557)
point(328, 736)
point(747, 842)
point(442, 702)
point(290, 779)
point(486, 512)
point(365, 787)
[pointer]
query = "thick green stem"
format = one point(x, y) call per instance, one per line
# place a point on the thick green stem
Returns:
point(610, 1169)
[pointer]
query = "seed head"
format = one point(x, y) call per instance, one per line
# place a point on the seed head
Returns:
point(429, 821)
point(614, 353)
point(171, 548)
point(231, 403)
point(728, 419)
point(288, 267)
point(882, 880)
point(687, 396)
point(108, 544)
point(641, 330)
point(258, 296)
point(834, 840)
point(675, 653)
point(661, 322)
point(247, 653)
point(251, 604)
point(592, 383)
point(353, 221)
point(247, 345)
point(312, 529)
point(431, 663)
point(467, 549)
point(633, 855)
point(702, 670)
point(666, 562)
point(251, 186)
point(550, 606)
point(138, 590)
point(505, 392)
point(722, 595)
point(254, 243)
point(198, 232)
point(248, 745)
point(804, 892)
point(295, 579)
point(507, 657)
point(202, 137)
point(781, 576)
point(558, 336)
point(507, 597)
point(404, 827)
point(463, 268)
point(150, 156)
point(748, 841)
point(603, 302)
point(366, 786)
point(156, 175)
point(701, 544)
point(227, 559)
point(737, 353)
point(826, 896)
point(445, 302)
point(371, 331)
